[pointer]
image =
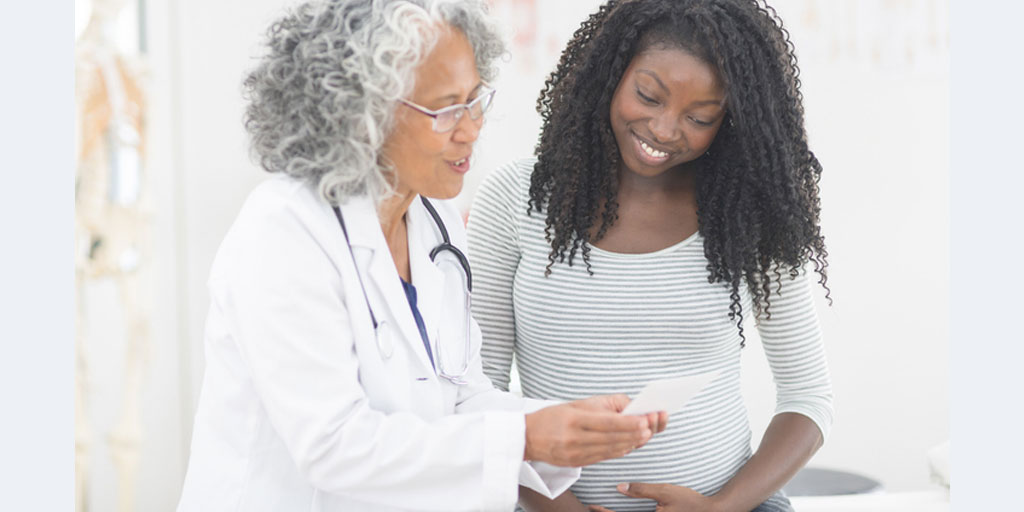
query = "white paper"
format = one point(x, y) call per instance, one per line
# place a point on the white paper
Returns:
point(669, 395)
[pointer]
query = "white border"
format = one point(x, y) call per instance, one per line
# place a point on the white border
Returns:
point(987, 137)
point(36, 267)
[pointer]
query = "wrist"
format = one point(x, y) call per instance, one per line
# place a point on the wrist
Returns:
point(721, 502)
point(526, 438)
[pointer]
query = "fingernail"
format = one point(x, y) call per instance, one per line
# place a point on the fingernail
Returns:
point(622, 488)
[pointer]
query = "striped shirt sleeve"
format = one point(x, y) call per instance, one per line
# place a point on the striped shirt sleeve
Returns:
point(494, 251)
point(792, 341)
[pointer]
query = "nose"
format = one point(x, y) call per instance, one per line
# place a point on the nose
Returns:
point(467, 129)
point(665, 128)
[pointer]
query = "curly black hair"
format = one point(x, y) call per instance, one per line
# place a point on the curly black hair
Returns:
point(757, 186)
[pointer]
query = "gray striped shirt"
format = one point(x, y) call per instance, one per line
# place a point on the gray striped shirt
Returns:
point(638, 318)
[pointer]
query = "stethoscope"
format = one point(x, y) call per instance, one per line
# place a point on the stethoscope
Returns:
point(455, 267)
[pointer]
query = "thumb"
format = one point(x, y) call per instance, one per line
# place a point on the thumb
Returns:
point(618, 402)
point(640, 490)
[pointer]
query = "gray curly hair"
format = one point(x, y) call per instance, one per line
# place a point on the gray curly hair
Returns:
point(322, 100)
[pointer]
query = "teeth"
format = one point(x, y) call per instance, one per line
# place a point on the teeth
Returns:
point(460, 162)
point(651, 151)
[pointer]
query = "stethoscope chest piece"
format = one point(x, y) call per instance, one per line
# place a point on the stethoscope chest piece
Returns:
point(385, 340)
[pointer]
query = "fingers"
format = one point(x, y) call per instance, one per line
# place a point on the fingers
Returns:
point(617, 402)
point(653, 422)
point(631, 438)
point(613, 422)
point(588, 431)
point(657, 421)
point(598, 508)
point(564, 435)
point(606, 403)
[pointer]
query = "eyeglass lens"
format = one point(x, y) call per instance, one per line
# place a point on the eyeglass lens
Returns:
point(447, 118)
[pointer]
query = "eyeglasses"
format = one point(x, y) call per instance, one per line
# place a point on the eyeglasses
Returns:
point(447, 118)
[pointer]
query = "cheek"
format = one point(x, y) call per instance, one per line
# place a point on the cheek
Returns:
point(627, 111)
point(702, 139)
point(407, 148)
point(619, 109)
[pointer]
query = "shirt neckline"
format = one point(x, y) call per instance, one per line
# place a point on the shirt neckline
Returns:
point(643, 255)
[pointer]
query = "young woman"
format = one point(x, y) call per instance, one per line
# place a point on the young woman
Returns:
point(673, 195)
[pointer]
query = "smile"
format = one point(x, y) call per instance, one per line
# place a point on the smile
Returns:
point(460, 166)
point(647, 153)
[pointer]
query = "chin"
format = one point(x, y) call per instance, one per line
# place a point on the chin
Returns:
point(646, 170)
point(443, 193)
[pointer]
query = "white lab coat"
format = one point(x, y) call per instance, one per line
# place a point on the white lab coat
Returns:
point(299, 410)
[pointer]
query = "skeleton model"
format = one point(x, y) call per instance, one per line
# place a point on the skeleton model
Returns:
point(110, 228)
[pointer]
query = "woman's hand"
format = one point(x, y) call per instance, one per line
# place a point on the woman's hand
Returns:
point(670, 498)
point(656, 421)
point(587, 431)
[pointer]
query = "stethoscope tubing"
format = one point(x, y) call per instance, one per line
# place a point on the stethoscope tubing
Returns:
point(445, 245)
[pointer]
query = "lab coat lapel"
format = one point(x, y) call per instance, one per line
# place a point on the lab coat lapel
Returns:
point(428, 279)
point(381, 278)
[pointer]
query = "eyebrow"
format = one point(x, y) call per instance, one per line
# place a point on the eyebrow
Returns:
point(662, 85)
point(455, 97)
point(654, 75)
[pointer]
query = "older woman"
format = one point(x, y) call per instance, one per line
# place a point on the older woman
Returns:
point(343, 369)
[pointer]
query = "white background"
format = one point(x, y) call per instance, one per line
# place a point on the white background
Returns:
point(878, 120)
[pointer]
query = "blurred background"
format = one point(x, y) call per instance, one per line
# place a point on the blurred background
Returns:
point(164, 167)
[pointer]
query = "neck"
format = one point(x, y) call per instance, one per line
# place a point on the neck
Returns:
point(671, 182)
point(392, 217)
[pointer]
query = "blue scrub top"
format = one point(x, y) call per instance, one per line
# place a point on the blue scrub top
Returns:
point(410, 293)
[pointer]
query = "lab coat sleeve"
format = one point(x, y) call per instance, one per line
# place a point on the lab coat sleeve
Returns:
point(283, 302)
point(479, 395)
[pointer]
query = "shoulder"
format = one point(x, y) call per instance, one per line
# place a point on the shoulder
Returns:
point(277, 210)
point(507, 187)
point(272, 198)
point(280, 217)
point(513, 177)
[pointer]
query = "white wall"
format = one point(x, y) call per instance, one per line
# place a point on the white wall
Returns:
point(878, 120)
point(878, 124)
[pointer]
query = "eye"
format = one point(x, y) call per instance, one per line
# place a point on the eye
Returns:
point(645, 98)
point(700, 122)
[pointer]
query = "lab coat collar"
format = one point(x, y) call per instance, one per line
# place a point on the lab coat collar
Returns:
point(426, 277)
point(363, 223)
point(365, 235)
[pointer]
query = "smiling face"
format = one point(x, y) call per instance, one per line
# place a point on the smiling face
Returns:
point(426, 162)
point(666, 110)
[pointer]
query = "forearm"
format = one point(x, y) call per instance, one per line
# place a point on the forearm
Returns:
point(532, 501)
point(789, 442)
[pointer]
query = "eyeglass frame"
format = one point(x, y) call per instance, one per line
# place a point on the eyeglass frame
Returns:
point(457, 107)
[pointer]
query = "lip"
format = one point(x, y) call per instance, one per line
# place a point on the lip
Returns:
point(462, 168)
point(643, 156)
